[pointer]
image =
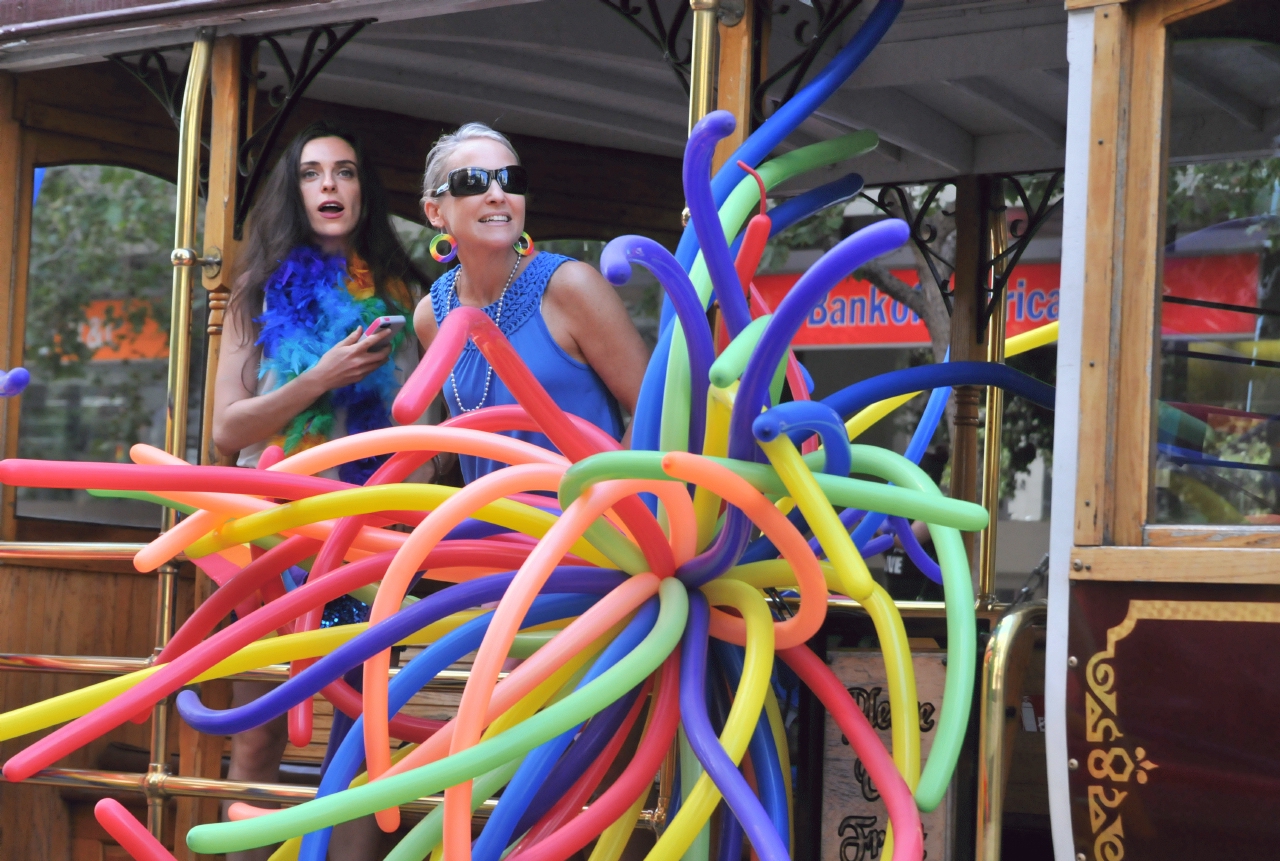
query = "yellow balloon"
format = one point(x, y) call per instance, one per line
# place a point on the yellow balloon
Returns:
point(274, 650)
point(368, 500)
point(854, 580)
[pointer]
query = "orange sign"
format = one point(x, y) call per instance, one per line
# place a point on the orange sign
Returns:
point(107, 331)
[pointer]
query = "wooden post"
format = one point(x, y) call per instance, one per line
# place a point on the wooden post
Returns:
point(225, 138)
point(16, 171)
point(966, 346)
point(736, 78)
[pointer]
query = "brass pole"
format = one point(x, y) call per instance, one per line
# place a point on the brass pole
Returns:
point(158, 768)
point(993, 444)
point(183, 257)
point(1001, 655)
point(175, 431)
point(702, 64)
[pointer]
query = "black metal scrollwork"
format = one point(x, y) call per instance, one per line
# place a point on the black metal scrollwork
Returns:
point(152, 71)
point(664, 35)
point(923, 234)
point(1021, 233)
point(255, 152)
point(831, 14)
point(995, 270)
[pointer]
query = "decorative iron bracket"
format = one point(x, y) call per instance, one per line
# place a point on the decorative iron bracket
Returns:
point(831, 14)
point(152, 71)
point(665, 35)
point(998, 268)
point(255, 152)
point(995, 270)
point(923, 234)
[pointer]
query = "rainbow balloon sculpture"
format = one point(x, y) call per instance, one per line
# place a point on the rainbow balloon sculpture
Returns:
point(648, 569)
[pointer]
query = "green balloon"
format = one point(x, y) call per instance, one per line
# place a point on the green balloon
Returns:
point(962, 628)
point(427, 834)
point(901, 500)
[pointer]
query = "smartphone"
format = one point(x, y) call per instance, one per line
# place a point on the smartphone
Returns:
point(394, 322)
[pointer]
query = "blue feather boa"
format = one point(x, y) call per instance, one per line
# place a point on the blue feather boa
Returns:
point(308, 309)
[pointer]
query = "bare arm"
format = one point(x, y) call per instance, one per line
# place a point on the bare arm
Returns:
point(588, 319)
point(242, 418)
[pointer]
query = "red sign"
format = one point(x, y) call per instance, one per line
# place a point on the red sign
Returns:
point(856, 314)
point(1231, 279)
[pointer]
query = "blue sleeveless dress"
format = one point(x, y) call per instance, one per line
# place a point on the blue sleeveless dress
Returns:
point(573, 385)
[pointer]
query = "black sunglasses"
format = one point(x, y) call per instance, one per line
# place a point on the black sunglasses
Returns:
point(468, 181)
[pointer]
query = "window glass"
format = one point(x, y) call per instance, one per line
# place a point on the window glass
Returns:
point(1217, 459)
point(97, 323)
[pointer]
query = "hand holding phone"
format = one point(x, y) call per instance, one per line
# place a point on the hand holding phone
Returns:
point(392, 322)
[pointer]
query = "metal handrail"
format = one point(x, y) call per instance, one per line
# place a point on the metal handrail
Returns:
point(167, 785)
point(1006, 637)
point(97, 665)
point(69, 550)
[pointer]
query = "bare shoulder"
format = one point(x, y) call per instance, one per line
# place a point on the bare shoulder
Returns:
point(574, 283)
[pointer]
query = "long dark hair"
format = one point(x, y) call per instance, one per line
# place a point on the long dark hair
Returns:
point(279, 223)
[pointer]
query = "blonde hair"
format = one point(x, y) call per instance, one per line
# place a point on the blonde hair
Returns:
point(436, 173)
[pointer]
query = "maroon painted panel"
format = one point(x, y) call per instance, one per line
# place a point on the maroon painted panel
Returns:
point(1173, 719)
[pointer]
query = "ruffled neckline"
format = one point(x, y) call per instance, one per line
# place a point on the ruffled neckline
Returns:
point(523, 298)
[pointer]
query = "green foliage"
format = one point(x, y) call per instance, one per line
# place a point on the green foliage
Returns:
point(1208, 193)
point(97, 233)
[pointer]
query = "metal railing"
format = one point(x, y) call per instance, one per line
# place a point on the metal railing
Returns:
point(1008, 637)
point(90, 665)
point(60, 551)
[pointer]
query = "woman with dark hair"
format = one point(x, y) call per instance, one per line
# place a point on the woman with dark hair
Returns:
point(321, 259)
point(321, 262)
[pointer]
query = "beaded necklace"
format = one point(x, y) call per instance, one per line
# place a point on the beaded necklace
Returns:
point(488, 375)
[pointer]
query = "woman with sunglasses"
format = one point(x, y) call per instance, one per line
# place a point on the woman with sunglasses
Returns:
point(321, 263)
point(566, 322)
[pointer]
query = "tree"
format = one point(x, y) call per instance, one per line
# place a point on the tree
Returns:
point(97, 233)
point(924, 297)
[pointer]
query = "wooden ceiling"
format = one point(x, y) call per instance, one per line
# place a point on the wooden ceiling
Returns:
point(100, 114)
